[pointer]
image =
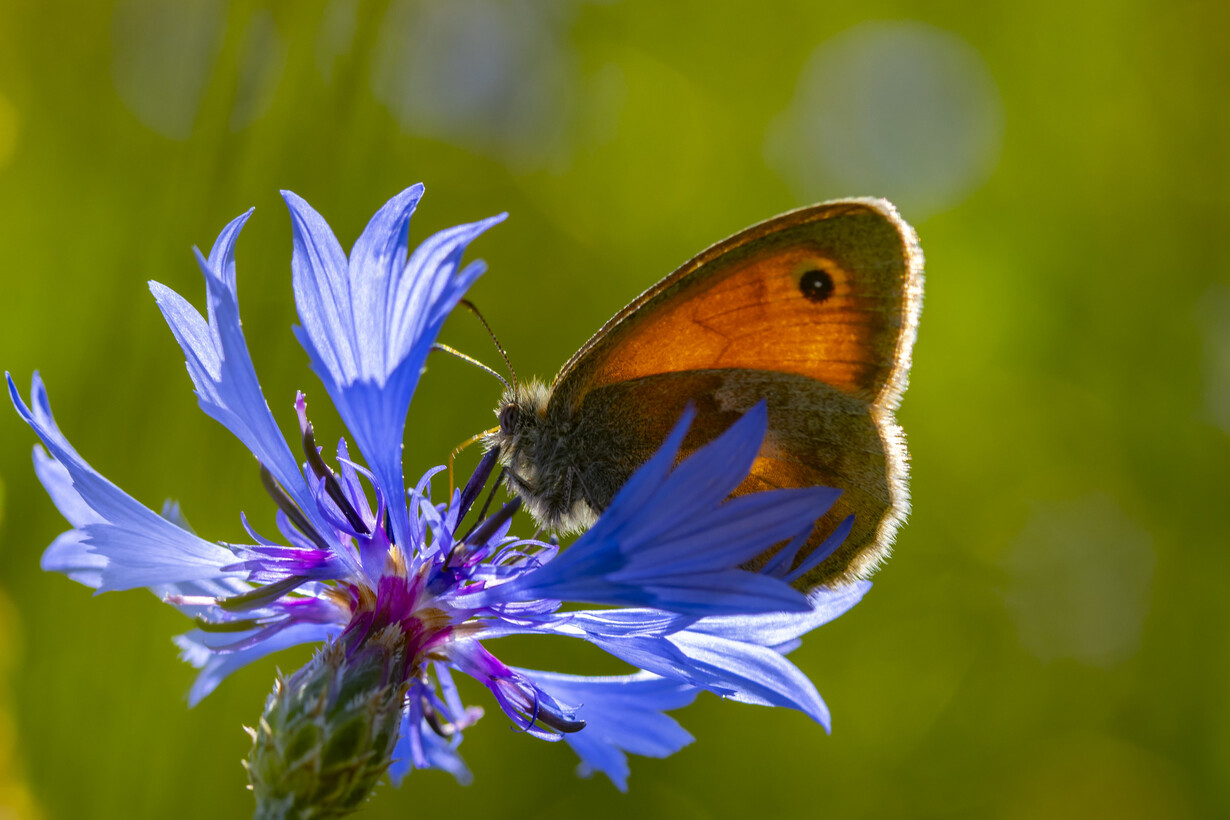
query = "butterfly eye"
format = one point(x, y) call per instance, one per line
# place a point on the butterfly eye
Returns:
point(510, 414)
point(816, 285)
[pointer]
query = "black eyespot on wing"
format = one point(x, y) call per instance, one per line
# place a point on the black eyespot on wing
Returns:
point(510, 414)
point(816, 285)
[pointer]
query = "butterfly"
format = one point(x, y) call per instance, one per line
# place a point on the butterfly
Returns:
point(814, 311)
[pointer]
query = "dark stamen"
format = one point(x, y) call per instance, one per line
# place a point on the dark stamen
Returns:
point(475, 485)
point(260, 596)
point(445, 730)
point(388, 526)
point(487, 529)
point(226, 626)
point(287, 505)
point(486, 506)
point(332, 487)
point(558, 722)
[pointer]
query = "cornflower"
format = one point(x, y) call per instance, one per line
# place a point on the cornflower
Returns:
point(404, 590)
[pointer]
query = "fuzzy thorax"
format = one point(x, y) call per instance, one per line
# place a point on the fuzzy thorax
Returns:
point(537, 447)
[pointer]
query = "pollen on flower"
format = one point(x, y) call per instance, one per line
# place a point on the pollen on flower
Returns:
point(397, 561)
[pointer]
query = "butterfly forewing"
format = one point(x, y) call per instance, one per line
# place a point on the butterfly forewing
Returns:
point(828, 292)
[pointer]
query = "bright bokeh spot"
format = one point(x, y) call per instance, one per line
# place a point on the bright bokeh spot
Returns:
point(1080, 576)
point(1213, 315)
point(163, 58)
point(896, 109)
point(491, 76)
point(261, 63)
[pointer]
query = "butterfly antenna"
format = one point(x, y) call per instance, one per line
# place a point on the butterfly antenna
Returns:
point(443, 348)
point(473, 309)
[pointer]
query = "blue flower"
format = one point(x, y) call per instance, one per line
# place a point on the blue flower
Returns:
point(359, 556)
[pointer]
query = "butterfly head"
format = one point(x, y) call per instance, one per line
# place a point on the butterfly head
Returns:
point(521, 408)
point(539, 458)
point(521, 411)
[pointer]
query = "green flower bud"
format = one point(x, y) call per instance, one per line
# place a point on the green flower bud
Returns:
point(328, 732)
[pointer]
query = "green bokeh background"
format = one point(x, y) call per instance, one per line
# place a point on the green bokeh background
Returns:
point(1050, 639)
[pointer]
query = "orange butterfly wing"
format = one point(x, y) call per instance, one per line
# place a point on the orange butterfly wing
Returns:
point(814, 311)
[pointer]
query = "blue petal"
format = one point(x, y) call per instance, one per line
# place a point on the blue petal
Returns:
point(745, 672)
point(755, 674)
point(221, 368)
point(437, 752)
point(712, 473)
point(646, 482)
point(59, 485)
point(141, 547)
point(733, 592)
point(622, 713)
point(369, 324)
point(672, 540)
point(776, 628)
point(71, 555)
point(823, 550)
point(198, 648)
point(736, 657)
point(700, 538)
point(608, 623)
point(533, 711)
